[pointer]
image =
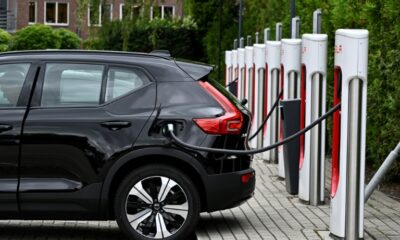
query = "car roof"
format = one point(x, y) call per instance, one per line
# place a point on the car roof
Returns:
point(163, 67)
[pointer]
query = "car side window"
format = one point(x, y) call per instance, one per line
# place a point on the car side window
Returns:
point(122, 80)
point(12, 78)
point(72, 85)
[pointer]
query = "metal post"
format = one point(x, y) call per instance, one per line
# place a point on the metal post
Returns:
point(249, 43)
point(381, 172)
point(353, 159)
point(219, 39)
point(317, 21)
point(292, 10)
point(257, 37)
point(240, 18)
point(278, 32)
point(241, 43)
point(295, 27)
point(235, 44)
point(266, 34)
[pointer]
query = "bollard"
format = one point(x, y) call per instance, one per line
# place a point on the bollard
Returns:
point(313, 105)
point(348, 149)
point(273, 67)
point(259, 70)
point(249, 77)
point(241, 83)
point(290, 80)
point(228, 68)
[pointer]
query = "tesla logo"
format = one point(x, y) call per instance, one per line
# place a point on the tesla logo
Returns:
point(338, 49)
point(304, 50)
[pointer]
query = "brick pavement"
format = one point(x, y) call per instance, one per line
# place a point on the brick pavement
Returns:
point(271, 214)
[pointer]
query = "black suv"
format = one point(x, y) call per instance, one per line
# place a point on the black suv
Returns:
point(82, 136)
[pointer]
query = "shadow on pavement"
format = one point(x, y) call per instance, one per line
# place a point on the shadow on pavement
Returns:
point(62, 231)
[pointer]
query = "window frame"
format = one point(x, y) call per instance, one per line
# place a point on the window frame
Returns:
point(37, 95)
point(100, 15)
point(127, 68)
point(56, 23)
point(36, 12)
point(162, 11)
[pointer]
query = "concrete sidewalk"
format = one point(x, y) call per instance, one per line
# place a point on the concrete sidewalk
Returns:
point(271, 214)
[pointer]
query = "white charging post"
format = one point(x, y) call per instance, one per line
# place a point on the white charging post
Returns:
point(242, 70)
point(249, 60)
point(313, 105)
point(228, 68)
point(290, 77)
point(348, 149)
point(259, 67)
point(273, 67)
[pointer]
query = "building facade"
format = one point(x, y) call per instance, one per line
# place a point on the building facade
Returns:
point(16, 14)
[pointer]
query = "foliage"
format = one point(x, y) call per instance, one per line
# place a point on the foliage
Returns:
point(69, 40)
point(36, 37)
point(178, 36)
point(5, 39)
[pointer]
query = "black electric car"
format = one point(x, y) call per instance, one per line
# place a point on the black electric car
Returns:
point(82, 136)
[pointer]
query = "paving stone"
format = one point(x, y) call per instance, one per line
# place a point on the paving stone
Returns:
point(271, 214)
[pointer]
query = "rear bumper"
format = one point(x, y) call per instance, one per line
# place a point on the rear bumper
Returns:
point(226, 190)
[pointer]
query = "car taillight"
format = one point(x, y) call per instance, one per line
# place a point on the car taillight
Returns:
point(229, 123)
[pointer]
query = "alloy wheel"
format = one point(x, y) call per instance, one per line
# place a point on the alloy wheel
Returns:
point(157, 207)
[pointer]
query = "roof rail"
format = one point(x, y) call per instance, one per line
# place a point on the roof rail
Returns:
point(47, 51)
point(161, 53)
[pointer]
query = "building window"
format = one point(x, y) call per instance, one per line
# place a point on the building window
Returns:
point(163, 12)
point(32, 12)
point(56, 13)
point(104, 13)
point(135, 11)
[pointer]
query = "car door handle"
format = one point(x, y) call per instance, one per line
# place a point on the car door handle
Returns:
point(115, 125)
point(5, 127)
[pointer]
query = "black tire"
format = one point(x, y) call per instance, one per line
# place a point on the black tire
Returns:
point(148, 177)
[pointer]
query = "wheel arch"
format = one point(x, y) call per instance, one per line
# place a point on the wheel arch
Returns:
point(141, 157)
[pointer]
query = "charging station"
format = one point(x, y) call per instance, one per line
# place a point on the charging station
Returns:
point(242, 72)
point(233, 86)
point(290, 80)
point(228, 68)
point(271, 94)
point(349, 127)
point(313, 105)
point(249, 60)
point(258, 108)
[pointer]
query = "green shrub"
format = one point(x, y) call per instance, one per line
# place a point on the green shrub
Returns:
point(69, 40)
point(178, 36)
point(36, 37)
point(91, 43)
point(5, 39)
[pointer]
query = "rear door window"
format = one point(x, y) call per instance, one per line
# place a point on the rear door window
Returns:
point(72, 85)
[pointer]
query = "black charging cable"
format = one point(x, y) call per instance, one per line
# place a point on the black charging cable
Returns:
point(179, 142)
point(232, 82)
point(267, 117)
